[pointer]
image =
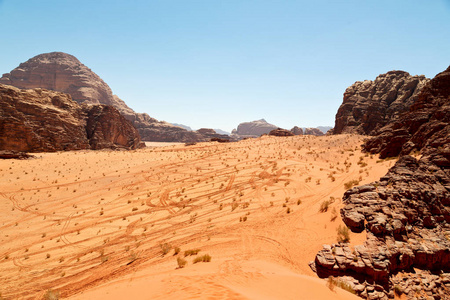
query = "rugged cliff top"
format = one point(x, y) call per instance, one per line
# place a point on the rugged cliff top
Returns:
point(369, 105)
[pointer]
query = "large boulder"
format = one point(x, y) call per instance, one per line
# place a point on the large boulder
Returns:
point(369, 105)
point(37, 120)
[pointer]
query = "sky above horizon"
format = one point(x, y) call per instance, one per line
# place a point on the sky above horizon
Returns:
point(216, 64)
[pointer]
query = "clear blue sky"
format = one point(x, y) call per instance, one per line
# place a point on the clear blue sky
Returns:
point(216, 63)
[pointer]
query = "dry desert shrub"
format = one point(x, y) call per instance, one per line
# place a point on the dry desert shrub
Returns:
point(203, 258)
point(165, 248)
point(181, 262)
point(349, 184)
point(51, 295)
point(336, 282)
point(343, 234)
point(191, 252)
point(324, 206)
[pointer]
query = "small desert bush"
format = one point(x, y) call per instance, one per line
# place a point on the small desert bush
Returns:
point(349, 184)
point(51, 295)
point(176, 250)
point(324, 206)
point(203, 258)
point(181, 262)
point(165, 248)
point(336, 282)
point(191, 252)
point(343, 234)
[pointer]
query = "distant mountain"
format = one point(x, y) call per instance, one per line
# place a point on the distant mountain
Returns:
point(254, 128)
point(182, 126)
point(220, 131)
point(324, 129)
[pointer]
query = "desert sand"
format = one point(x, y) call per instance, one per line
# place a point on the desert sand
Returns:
point(107, 224)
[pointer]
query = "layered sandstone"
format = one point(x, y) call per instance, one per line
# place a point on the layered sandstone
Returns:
point(407, 212)
point(369, 105)
point(37, 120)
point(63, 72)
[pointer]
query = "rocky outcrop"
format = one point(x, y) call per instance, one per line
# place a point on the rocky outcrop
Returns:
point(253, 129)
point(281, 132)
point(63, 72)
point(42, 120)
point(425, 125)
point(297, 130)
point(313, 131)
point(407, 212)
point(369, 105)
point(406, 215)
point(10, 154)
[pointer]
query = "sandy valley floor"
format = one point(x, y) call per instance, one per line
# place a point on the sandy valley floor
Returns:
point(106, 224)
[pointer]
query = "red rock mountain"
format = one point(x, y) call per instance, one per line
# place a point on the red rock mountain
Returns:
point(37, 120)
point(369, 105)
point(63, 72)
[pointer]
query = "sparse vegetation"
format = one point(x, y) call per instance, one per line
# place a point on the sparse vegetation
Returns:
point(343, 234)
point(165, 248)
point(181, 262)
point(202, 258)
point(191, 252)
point(51, 295)
point(337, 282)
point(349, 184)
point(324, 206)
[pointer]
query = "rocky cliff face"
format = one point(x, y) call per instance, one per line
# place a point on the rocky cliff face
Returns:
point(425, 125)
point(63, 72)
point(42, 120)
point(253, 129)
point(407, 212)
point(369, 105)
point(281, 132)
point(297, 130)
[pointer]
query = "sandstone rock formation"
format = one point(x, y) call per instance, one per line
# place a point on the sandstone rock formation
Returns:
point(253, 129)
point(281, 132)
point(42, 120)
point(212, 135)
point(10, 154)
point(407, 212)
point(369, 105)
point(313, 131)
point(63, 72)
point(297, 130)
point(425, 125)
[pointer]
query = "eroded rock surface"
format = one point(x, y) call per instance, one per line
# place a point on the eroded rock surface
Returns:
point(426, 125)
point(280, 132)
point(369, 105)
point(253, 129)
point(63, 72)
point(407, 212)
point(37, 120)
